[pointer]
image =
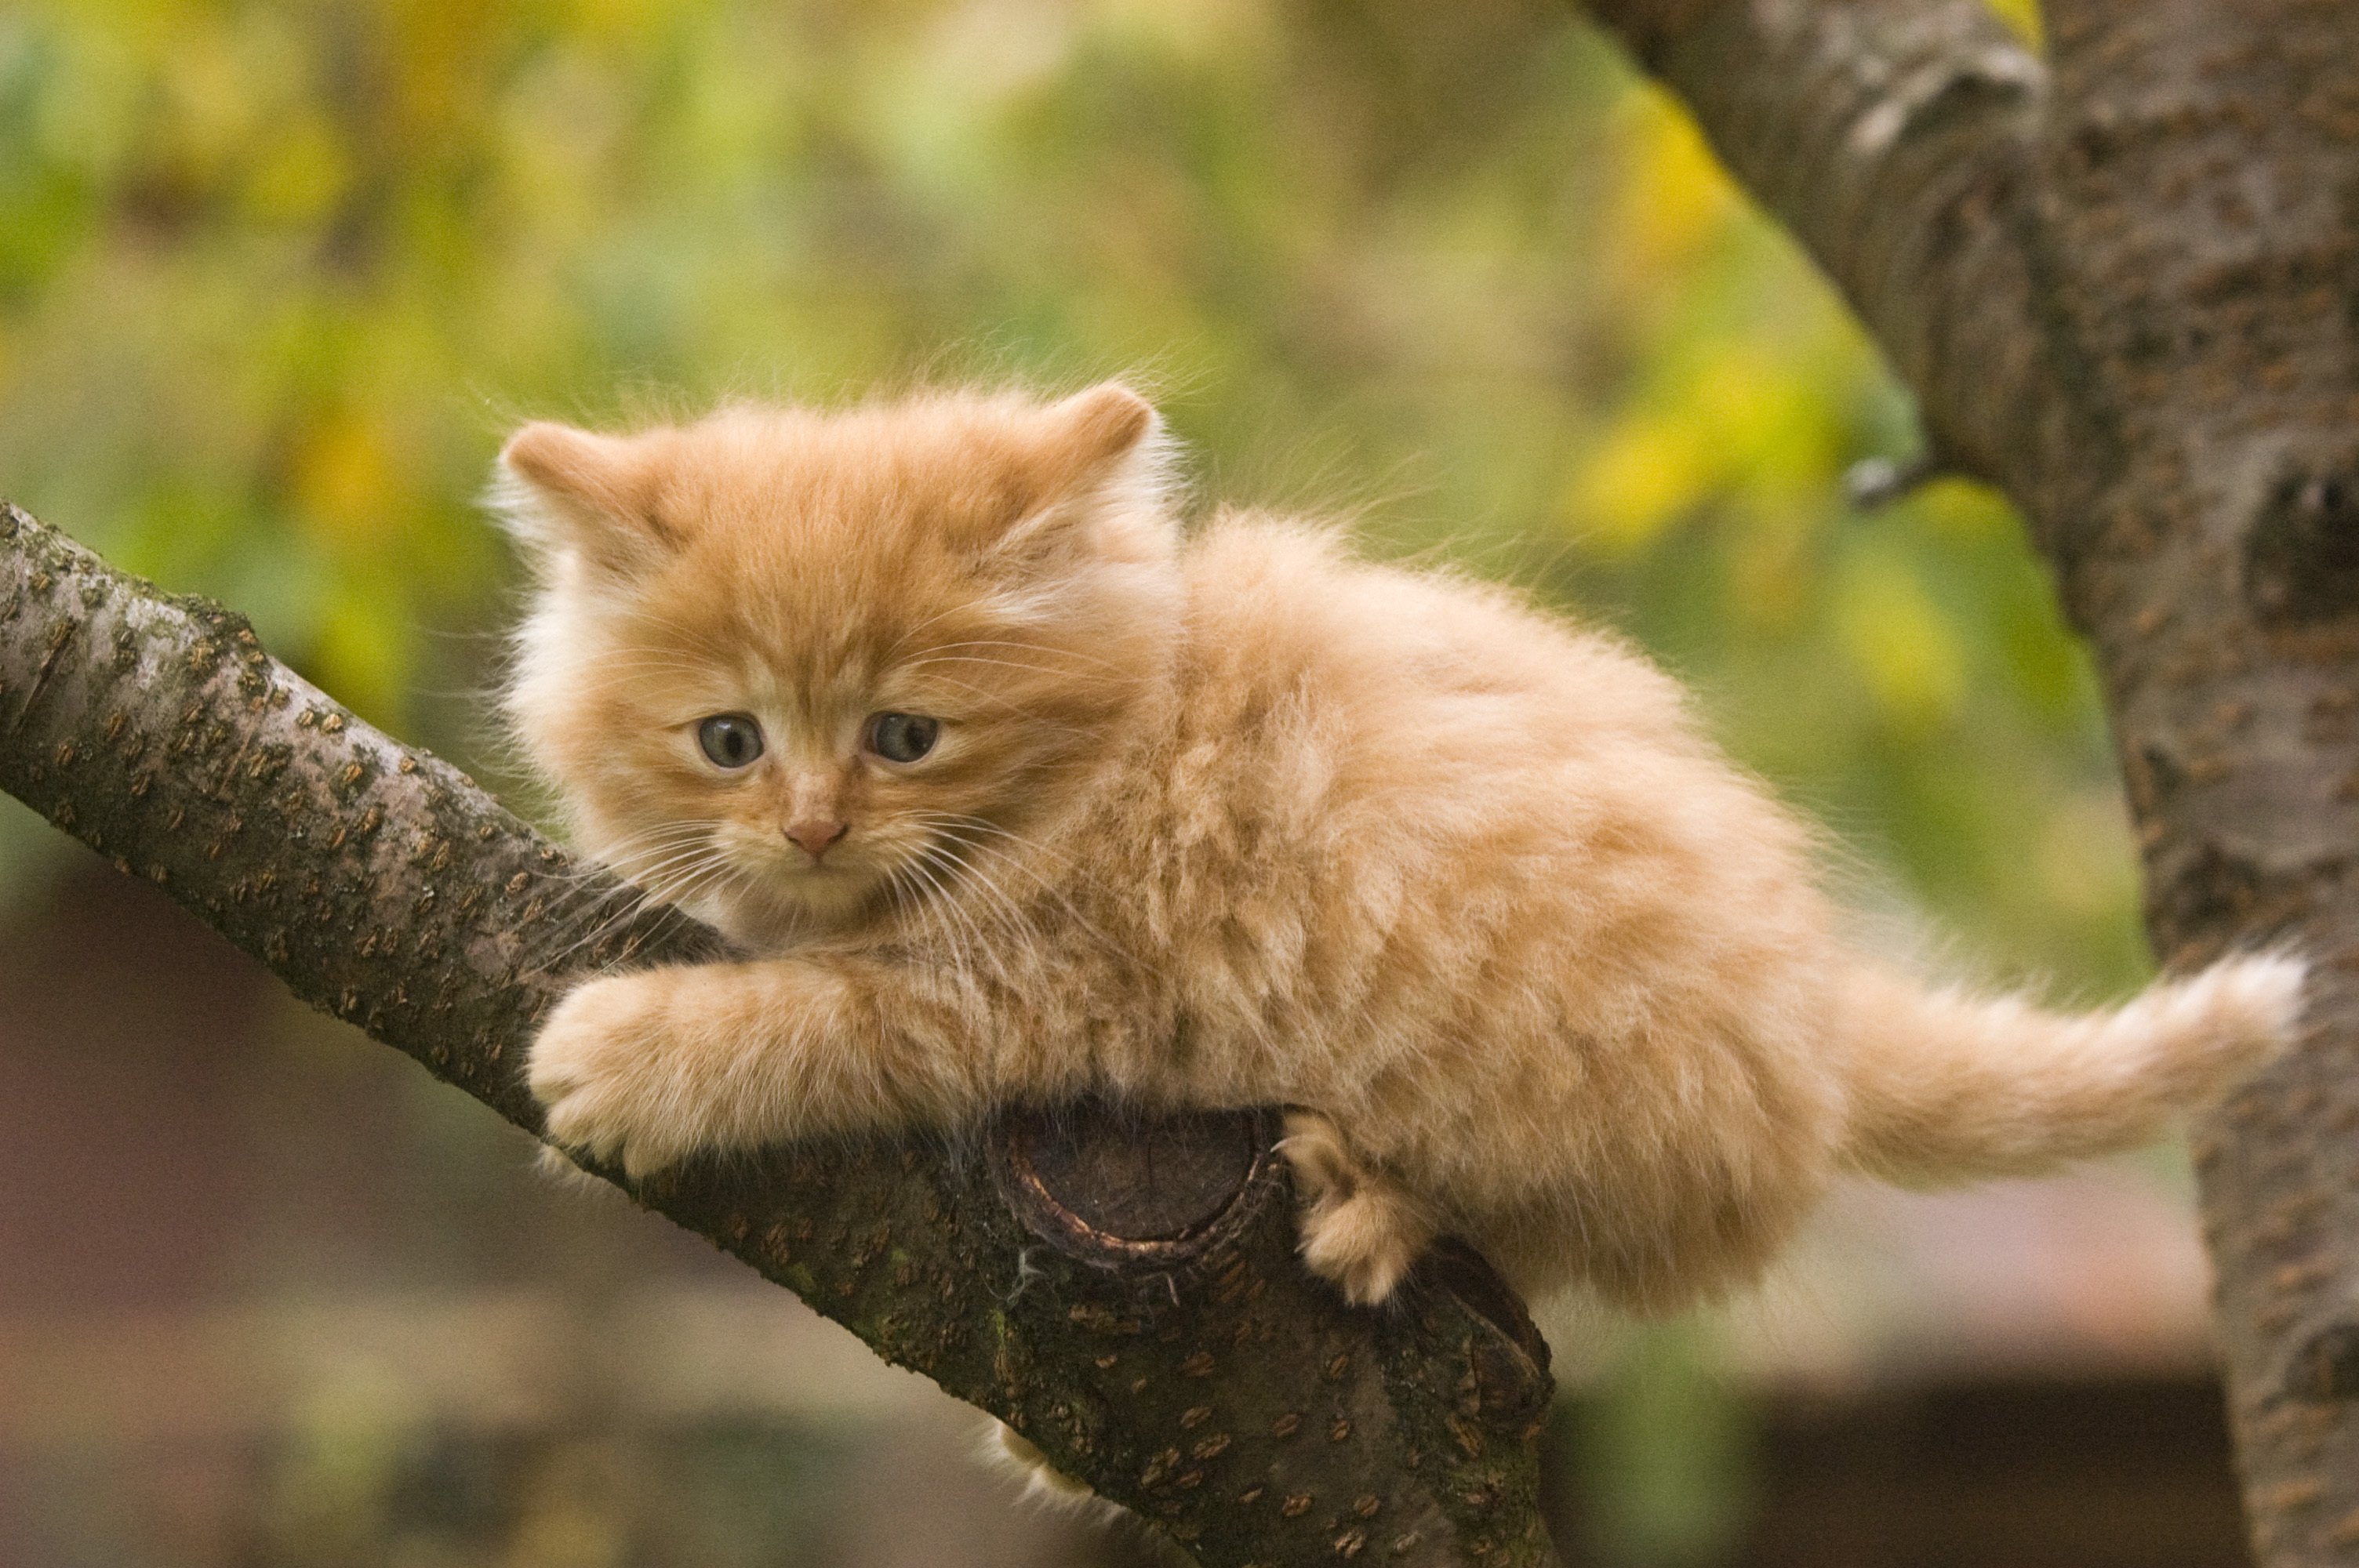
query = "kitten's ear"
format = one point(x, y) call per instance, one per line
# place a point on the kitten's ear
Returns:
point(567, 490)
point(1100, 474)
point(1105, 427)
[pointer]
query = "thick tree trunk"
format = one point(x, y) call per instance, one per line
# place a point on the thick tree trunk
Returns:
point(1125, 1295)
point(2124, 283)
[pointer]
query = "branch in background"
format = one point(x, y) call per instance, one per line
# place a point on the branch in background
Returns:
point(1124, 1294)
point(1895, 139)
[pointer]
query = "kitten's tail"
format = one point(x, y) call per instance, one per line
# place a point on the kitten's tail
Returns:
point(1948, 1086)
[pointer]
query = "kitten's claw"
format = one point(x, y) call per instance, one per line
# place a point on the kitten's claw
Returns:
point(1359, 1230)
point(597, 1068)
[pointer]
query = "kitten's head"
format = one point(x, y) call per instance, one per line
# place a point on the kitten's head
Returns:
point(789, 668)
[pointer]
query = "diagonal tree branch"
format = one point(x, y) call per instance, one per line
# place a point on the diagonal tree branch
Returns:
point(1124, 1294)
point(1894, 138)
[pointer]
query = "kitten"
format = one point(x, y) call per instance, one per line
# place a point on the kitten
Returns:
point(1010, 792)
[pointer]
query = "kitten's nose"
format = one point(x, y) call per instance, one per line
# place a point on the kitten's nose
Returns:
point(813, 835)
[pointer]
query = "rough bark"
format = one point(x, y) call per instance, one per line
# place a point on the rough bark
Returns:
point(1124, 1294)
point(2124, 284)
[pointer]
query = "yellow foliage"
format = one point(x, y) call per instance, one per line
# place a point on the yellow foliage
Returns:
point(1900, 641)
point(362, 653)
point(1674, 197)
point(300, 173)
point(1964, 510)
point(1742, 420)
point(2023, 16)
point(1645, 472)
point(1772, 574)
point(348, 489)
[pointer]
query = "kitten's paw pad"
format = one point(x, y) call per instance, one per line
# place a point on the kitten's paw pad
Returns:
point(596, 1069)
point(1364, 1245)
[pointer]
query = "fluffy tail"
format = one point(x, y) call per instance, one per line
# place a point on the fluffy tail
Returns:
point(1948, 1086)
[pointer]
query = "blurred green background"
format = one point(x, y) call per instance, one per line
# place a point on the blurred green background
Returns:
point(275, 279)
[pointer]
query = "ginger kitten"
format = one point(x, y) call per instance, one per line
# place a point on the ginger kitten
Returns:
point(1008, 791)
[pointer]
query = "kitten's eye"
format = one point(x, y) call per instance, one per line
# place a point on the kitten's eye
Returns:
point(902, 737)
point(731, 740)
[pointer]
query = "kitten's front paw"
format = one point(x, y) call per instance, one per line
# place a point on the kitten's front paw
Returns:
point(600, 1069)
point(1359, 1229)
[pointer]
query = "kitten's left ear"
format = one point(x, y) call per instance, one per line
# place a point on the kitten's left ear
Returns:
point(587, 494)
point(1101, 472)
point(1105, 427)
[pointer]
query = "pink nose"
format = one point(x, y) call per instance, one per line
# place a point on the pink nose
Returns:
point(814, 835)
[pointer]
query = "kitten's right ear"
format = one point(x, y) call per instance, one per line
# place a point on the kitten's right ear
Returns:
point(570, 491)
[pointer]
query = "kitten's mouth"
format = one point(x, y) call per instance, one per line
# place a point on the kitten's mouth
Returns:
point(791, 901)
point(837, 882)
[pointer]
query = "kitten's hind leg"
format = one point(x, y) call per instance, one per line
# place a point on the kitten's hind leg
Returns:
point(1360, 1228)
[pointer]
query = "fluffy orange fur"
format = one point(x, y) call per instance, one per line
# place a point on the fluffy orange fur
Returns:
point(1228, 819)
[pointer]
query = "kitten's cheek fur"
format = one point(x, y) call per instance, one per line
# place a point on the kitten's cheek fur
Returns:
point(598, 1068)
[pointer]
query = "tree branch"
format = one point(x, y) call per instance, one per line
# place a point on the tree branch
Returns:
point(1123, 1293)
point(1894, 138)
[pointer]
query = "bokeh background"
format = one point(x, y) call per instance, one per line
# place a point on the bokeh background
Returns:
point(276, 275)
